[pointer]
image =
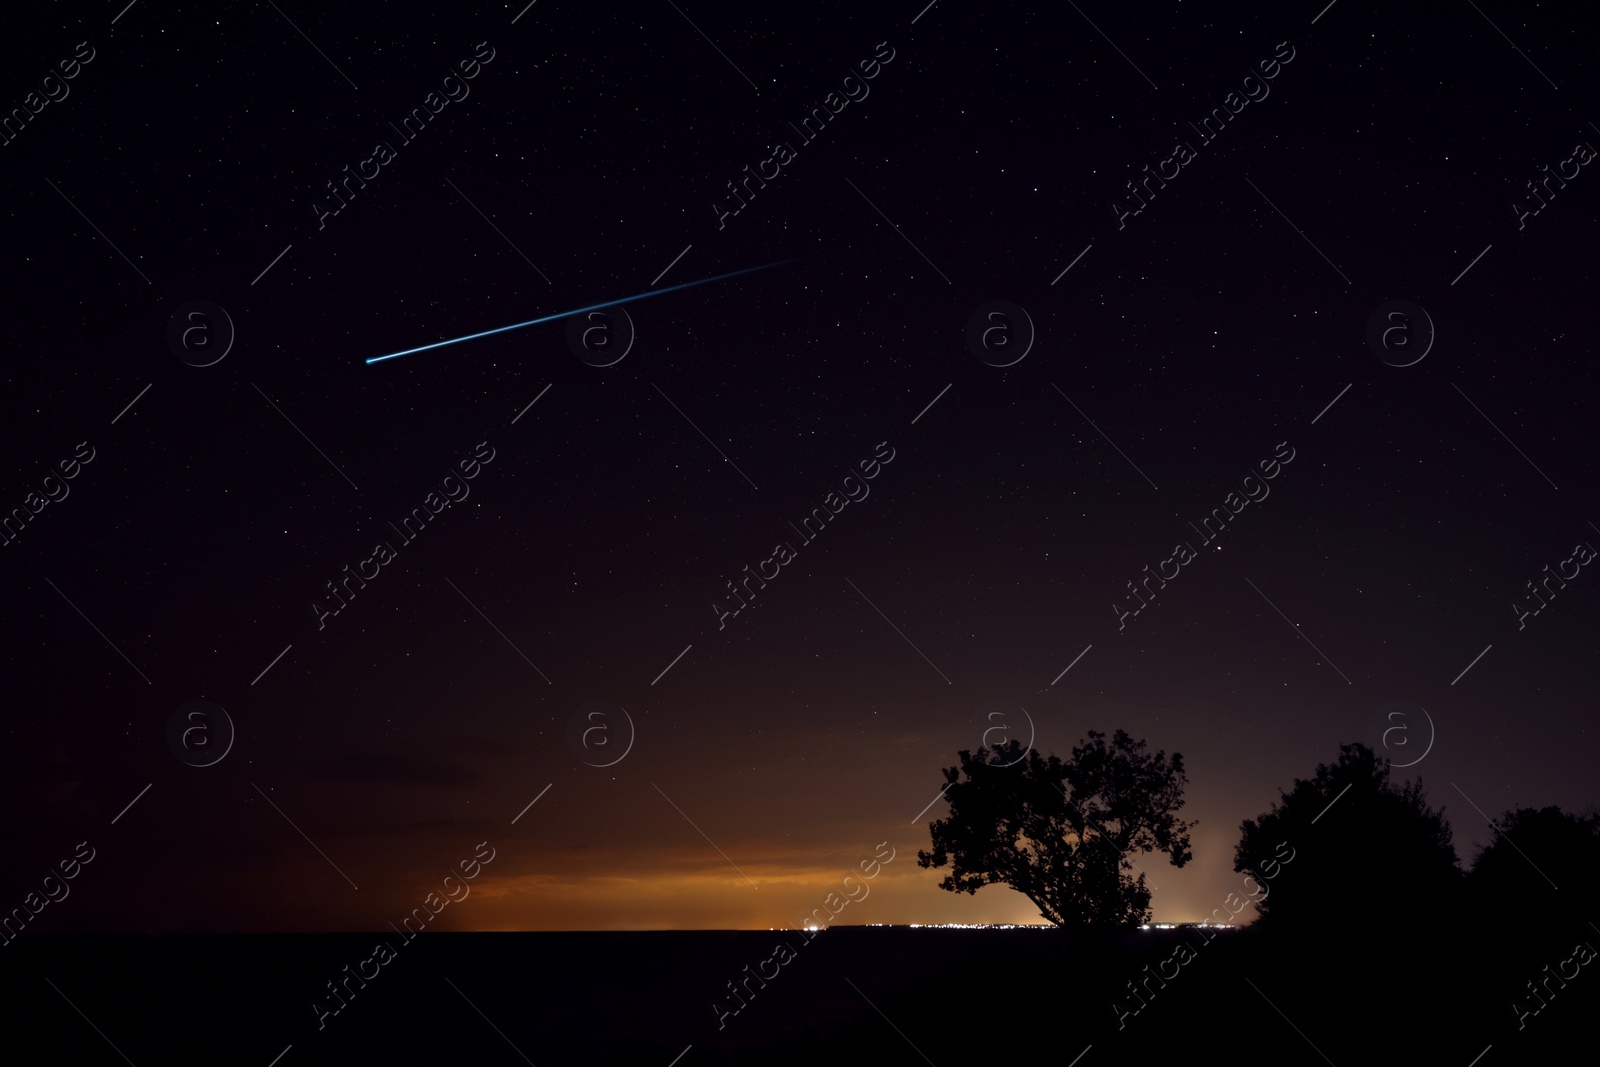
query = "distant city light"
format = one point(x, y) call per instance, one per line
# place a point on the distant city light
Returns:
point(973, 926)
point(1032, 926)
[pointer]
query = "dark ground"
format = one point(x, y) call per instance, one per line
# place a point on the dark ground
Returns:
point(955, 995)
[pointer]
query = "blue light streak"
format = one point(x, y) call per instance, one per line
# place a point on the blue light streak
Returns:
point(577, 311)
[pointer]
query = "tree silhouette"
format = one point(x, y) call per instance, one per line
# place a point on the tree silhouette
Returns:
point(1531, 895)
point(1538, 856)
point(1063, 834)
point(1347, 847)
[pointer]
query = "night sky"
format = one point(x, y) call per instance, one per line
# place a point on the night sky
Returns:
point(550, 662)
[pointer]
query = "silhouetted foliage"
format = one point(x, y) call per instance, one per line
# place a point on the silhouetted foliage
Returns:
point(1063, 834)
point(1541, 860)
point(1347, 847)
point(1531, 900)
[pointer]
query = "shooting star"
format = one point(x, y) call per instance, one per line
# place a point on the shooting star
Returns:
point(577, 311)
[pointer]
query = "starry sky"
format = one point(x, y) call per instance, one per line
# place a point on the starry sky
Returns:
point(551, 660)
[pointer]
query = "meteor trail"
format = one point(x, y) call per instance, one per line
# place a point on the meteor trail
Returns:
point(577, 311)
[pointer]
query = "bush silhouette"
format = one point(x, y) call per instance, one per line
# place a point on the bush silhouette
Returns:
point(1348, 848)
